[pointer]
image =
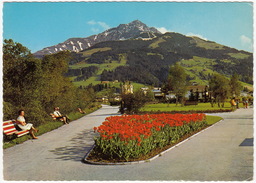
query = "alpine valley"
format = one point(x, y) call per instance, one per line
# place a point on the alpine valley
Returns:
point(142, 54)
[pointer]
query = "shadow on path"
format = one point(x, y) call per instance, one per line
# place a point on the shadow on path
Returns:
point(247, 142)
point(80, 145)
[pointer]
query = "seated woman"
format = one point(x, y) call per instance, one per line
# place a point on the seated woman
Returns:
point(21, 122)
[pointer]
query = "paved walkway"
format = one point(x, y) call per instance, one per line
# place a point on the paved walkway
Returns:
point(223, 152)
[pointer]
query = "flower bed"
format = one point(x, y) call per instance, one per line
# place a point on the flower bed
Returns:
point(131, 136)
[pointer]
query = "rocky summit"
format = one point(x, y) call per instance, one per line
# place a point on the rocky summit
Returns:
point(122, 32)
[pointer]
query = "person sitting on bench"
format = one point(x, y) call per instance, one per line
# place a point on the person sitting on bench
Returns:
point(21, 122)
point(81, 111)
point(59, 116)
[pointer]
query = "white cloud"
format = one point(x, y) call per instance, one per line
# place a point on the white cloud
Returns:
point(92, 22)
point(104, 25)
point(163, 29)
point(197, 35)
point(246, 42)
point(98, 24)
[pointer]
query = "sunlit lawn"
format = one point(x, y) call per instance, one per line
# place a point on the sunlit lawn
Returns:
point(212, 119)
point(200, 107)
point(163, 107)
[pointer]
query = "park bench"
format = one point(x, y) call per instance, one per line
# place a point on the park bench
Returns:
point(190, 102)
point(9, 129)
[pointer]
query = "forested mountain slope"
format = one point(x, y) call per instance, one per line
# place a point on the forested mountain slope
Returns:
point(147, 60)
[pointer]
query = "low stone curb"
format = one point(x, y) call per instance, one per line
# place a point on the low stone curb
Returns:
point(144, 161)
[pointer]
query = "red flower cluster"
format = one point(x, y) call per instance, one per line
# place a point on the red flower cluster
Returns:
point(139, 127)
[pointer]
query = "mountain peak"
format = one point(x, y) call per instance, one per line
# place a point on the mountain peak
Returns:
point(122, 32)
point(143, 27)
point(137, 22)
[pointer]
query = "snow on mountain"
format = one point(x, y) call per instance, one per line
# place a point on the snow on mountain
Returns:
point(122, 32)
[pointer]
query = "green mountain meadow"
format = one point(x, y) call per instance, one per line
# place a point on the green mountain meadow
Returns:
point(147, 61)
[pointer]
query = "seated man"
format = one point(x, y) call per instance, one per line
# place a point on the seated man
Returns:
point(80, 110)
point(54, 117)
point(59, 116)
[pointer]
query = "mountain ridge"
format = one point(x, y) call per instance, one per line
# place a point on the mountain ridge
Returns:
point(142, 54)
point(121, 32)
point(147, 61)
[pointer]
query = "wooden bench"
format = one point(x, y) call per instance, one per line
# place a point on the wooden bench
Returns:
point(189, 102)
point(9, 129)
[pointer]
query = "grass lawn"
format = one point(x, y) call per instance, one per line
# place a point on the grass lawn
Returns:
point(200, 107)
point(162, 107)
point(213, 119)
point(48, 126)
point(92, 80)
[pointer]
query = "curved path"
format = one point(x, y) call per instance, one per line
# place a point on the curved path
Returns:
point(223, 152)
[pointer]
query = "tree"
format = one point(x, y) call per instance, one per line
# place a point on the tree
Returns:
point(18, 66)
point(165, 90)
point(219, 86)
point(177, 81)
point(21, 75)
point(235, 85)
point(132, 102)
point(57, 89)
point(38, 85)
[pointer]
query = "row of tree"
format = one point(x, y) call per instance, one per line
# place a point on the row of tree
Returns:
point(38, 85)
point(220, 87)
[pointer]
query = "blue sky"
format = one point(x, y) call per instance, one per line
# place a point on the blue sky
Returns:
point(41, 24)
